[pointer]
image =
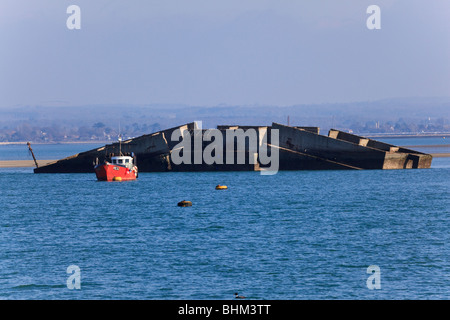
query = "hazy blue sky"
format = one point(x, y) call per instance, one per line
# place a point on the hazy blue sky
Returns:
point(207, 52)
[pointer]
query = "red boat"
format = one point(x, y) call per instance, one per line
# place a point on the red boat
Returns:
point(121, 168)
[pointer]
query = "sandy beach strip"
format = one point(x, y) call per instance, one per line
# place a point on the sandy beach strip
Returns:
point(23, 163)
point(440, 155)
point(427, 146)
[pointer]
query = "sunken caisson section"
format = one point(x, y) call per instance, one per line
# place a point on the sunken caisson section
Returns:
point(302, 149)
point(247, 148)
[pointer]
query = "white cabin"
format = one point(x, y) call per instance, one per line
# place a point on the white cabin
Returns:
point(125, 161)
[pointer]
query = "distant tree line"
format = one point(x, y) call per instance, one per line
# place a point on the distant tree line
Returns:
point(59, 133)
point(100, 131)
point(398, 126)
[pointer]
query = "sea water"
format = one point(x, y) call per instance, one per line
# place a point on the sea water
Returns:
point(293, 235)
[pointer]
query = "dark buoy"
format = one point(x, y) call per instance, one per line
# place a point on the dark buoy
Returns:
point(185, 203)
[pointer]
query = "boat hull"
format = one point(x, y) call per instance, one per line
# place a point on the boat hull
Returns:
point(110, 172)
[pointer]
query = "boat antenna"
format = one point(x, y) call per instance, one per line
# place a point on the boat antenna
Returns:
point(34, 158)
point(120, 141)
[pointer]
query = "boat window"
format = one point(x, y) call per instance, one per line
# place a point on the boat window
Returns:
point(127, 160)
point(120, 161)
point(114, 161)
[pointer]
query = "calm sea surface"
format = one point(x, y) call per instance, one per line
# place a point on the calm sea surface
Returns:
point(293, 235)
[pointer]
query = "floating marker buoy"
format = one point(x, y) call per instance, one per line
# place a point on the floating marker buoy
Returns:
point(117, 179)
point(237, 296)
point(219, 187)
point(185, 203)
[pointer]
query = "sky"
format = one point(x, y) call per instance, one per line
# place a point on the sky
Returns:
point(217, 52)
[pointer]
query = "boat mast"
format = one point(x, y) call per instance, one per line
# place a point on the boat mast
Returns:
point(120, 145)
point(34, 158)
point(120, 142)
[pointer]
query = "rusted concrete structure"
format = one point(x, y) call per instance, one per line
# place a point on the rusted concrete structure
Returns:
point(299, 148)
point(152, 151)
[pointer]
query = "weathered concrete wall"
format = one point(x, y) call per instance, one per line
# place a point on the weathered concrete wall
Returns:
point(237, 153)
point(396, 157)
point(339, 151)
point(315, 130)
point(295, 160)
point(151, 151)
point(300, 148)
point(345, 136)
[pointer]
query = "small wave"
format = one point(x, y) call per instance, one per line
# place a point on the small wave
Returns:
point(39, 286)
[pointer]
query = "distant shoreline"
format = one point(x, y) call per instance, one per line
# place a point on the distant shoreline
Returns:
point(57, 142)
point(23, 163)
point(440, 155)
point(371, 136)
point(407, 135)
